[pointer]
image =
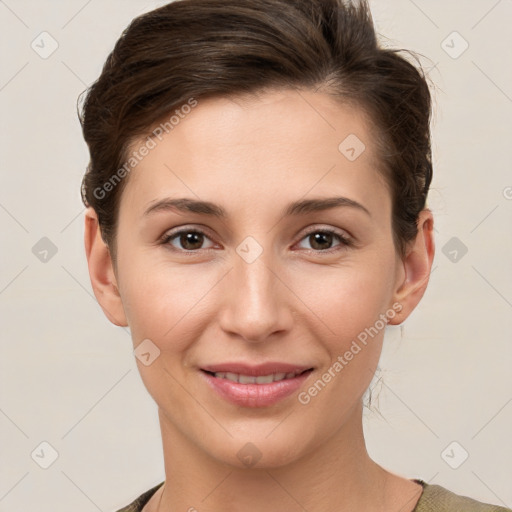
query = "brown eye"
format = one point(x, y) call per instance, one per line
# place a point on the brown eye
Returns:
point(187, 240)
point(322, 240)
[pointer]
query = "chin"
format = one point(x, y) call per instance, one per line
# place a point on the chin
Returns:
point(261, 452)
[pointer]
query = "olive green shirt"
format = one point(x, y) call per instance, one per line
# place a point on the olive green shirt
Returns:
point(434, 498)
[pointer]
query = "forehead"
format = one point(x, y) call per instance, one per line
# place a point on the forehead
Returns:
point(281, 143)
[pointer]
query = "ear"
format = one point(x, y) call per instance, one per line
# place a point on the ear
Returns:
point(417, 265)
point(101, 271)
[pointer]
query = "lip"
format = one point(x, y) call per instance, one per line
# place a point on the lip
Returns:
point(255, 395)
point(256, 370)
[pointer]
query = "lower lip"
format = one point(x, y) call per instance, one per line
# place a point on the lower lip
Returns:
point(255, 395)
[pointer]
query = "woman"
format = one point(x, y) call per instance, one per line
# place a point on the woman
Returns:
point(256, 207)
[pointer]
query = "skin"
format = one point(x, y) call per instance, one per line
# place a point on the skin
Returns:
point(295, 303)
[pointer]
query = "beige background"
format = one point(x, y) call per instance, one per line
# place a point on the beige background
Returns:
point(68, 377)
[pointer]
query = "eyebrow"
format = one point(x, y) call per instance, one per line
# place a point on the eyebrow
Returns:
point(301, 207)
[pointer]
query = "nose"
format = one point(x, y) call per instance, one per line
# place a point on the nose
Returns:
point(256, 303)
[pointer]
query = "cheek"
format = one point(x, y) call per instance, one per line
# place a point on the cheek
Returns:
point(345, 300)
point(160, 300)
point(167, 303)
point(352, 307)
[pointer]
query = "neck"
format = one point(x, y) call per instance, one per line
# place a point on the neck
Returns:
point(337, 474)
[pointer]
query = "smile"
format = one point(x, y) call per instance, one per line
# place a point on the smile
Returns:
point(255, 390)
point(251, 379)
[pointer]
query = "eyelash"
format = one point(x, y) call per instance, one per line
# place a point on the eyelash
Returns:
point(345, 242)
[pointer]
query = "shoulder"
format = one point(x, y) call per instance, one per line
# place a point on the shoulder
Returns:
point(433, 499)
point(438, 499)
point(140, 502)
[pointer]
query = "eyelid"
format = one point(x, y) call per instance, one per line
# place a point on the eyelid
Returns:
point(173, 233)
point(327, 229)
point(346, 240)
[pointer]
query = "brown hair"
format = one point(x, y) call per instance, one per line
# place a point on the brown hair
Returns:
point(192, 49)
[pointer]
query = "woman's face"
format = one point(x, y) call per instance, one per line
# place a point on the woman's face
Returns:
point(264, 282)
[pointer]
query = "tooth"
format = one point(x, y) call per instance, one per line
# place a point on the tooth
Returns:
point(247, 379)
point(265, 379)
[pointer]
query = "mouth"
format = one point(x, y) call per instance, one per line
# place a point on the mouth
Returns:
point(261, 386)
point(260, 379)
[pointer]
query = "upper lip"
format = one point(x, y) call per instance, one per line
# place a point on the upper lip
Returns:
point(256, 370)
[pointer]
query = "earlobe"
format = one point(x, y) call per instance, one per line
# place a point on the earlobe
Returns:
point(417, 267)
point(101, 271)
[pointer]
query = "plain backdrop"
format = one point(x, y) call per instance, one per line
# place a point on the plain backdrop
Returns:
point(68, 378)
